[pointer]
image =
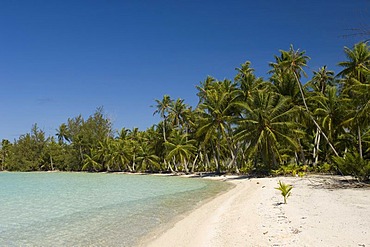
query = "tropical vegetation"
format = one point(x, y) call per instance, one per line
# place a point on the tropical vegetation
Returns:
point(285, 190)
point(242, 125)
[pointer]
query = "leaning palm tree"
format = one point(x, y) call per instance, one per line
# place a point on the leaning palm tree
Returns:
point(293, 62)
point(320, 82)
point(329, 112)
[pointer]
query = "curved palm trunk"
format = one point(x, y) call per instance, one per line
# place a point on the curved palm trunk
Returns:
point(312, 118)
point(194, 162)
point(232, 163)
point(186, 166)
point(169, 167)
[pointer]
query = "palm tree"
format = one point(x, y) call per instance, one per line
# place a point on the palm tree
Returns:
point(216, 115)
point(356, 86)
point(177, 113)
point(90, 163)
point(267, 126)
point(329, 111)
point(207, 84)
point(163, 108)
point(63, 133)
point(180, 149)
point(293, 62)
point(358, 63)
point(147, 159)
point(321, 80)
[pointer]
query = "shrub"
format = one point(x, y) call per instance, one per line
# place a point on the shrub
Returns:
point(353, 164)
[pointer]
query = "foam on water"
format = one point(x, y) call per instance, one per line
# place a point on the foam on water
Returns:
point(79, 209)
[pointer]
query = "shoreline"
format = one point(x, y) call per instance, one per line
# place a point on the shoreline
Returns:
point(322, 211)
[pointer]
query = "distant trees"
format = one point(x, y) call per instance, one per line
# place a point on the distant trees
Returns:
point(244, 125)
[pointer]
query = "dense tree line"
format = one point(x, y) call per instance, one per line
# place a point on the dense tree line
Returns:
point(244, 125)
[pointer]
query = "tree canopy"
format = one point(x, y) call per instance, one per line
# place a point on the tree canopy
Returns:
point(243, 125)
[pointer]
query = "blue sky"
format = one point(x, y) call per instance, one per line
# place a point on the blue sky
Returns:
point(59, 59)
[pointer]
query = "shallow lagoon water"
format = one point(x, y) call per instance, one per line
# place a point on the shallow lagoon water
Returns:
point(81, 209)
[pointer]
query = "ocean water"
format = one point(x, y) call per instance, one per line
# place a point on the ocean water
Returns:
point(81, 209)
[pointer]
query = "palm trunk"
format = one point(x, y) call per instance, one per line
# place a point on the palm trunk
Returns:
point(174, 163)
point(51, 163)
point(296, 157)
point(133, 162)
point(164, 129)
point(359, 141)
point(186, 166)
point(194, 162)
point(81, 154)
point(303, 158)
point(169, 167)
point(208, 163)
point(233, 163)
point(312, 118)
point(316, 148)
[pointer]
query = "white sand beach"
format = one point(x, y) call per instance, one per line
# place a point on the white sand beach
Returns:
point(322, 211)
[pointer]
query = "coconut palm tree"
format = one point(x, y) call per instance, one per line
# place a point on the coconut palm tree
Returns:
point(216, 113)
point(292, 62)
point(356, 86)
point(358, 64)
point(90, 162)
point(329, 112)
point(207, 84)
point(180, 148)
point(321, 80)
point(267, 125)
point(147, 159)
point(177, 113)
point(63, 133)
point(163, 108)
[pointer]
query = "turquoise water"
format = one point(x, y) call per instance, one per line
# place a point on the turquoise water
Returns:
point(80, 209)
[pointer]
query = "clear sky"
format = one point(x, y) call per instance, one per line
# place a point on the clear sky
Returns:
point(59, 59)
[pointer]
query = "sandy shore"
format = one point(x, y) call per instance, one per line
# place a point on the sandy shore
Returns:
point(322, 211)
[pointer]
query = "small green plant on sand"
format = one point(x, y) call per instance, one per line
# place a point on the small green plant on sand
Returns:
point(285, 190)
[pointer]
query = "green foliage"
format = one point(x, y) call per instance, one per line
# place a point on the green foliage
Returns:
point(323, 168)
point(285, 190)
point(245, 125)
point(353, 164)
point(291, 169)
